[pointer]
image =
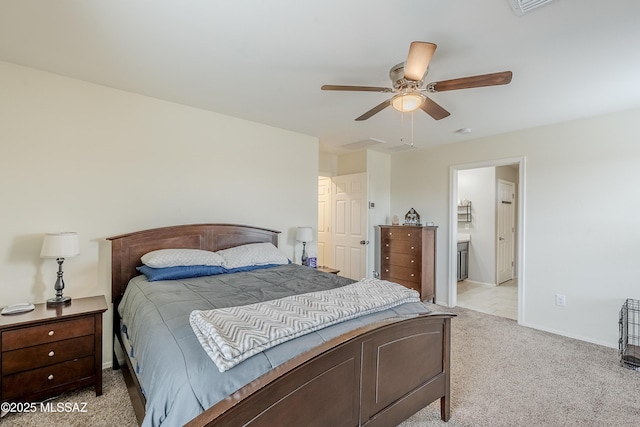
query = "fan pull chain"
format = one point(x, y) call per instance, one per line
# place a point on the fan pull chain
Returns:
point(412, 129)
point(401, 128)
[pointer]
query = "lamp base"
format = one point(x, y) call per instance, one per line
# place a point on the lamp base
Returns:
point(58, 301)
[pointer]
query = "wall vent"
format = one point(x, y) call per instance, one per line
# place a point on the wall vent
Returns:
point(520, 7)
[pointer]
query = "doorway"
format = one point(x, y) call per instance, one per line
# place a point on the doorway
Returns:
point(491, 260)
point(343, 224)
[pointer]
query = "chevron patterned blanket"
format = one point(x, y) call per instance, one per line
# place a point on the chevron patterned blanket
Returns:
point(233, 334)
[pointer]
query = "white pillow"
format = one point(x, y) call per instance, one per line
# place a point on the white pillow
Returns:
point(252, 254)
point(180, 257)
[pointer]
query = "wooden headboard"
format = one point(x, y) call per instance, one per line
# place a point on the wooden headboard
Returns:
point(127, 249)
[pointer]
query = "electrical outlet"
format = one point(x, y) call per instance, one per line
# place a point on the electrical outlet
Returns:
point(561, 300)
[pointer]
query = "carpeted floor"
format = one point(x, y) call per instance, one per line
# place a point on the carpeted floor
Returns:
point(111, 409)
point(502, 375)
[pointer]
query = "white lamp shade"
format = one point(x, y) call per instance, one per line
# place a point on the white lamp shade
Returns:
point(304, 234)
point(60, 245)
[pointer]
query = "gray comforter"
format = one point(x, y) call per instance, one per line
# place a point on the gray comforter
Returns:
point(177, 376)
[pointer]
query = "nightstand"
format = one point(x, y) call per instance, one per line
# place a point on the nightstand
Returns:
point(51, 350)
point(329, 270)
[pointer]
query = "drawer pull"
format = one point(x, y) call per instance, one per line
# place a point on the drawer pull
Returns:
point(51, 353)
point(387, 245)
point(412, 274)
point(412, 261)
point(386, 257)
point(412, 247)
point(408, 234)
point(387, 270)
point(51, 333)
point(391, 233)
point(50, 377)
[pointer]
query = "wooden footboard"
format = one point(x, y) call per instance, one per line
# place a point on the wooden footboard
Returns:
point(377, 377)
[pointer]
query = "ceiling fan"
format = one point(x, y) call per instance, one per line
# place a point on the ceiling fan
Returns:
point(409, 87)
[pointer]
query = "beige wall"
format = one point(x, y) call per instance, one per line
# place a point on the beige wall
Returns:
point(75, 156)
point(328, 164)
point(350, 163)
point(581, 194)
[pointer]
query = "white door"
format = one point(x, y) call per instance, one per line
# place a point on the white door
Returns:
point(324, 221)
point(506, 231)
point(349, 219)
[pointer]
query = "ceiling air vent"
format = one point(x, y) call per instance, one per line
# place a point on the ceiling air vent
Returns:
point(362, 144)
point(520, 7)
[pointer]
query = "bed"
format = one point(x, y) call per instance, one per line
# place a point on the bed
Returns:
point(372, 372)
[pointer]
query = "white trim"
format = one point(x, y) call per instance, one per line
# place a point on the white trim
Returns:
point(453, 226)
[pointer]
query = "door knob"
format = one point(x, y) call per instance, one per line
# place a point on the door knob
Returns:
point(364, 242)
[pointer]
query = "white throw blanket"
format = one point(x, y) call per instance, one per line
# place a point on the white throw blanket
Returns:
point(233, 334)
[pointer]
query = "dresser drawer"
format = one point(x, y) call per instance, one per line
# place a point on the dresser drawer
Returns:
point(24, 383)
point(401, 246)
point(416, 286)
point(392, 272)
point(411, 260)
point(46, 354)
point(55, 331)
point(402, 234)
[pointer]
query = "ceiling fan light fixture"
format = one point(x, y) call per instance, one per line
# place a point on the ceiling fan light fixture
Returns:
point(407, 102)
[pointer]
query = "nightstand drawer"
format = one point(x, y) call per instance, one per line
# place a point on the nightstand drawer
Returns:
point(51, 332)
point(24, 383)
point(46, 354)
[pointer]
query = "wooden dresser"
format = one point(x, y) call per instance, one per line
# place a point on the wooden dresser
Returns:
point(408, 257)
point(51, 350)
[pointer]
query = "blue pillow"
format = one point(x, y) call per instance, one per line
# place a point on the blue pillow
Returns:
point(180, 272)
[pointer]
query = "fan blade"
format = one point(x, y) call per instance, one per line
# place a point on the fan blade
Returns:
point(434, 110)
point(493, 79)
point(420, 54)
point(357, 88)
point(374, 110)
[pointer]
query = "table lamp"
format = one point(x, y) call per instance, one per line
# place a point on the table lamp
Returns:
point(304, 235)
point(60, 246)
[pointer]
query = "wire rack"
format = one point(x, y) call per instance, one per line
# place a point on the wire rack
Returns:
point(629, 342)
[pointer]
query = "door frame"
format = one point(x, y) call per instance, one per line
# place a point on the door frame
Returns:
point(453, 226)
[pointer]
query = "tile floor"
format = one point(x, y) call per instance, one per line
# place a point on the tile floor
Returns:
point(500, 300)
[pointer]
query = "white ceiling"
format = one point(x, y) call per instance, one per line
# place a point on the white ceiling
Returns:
point(266, 60)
